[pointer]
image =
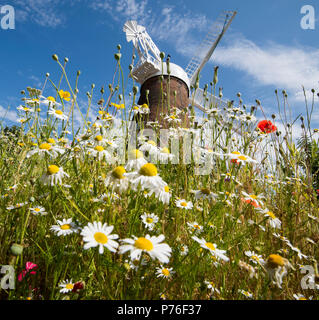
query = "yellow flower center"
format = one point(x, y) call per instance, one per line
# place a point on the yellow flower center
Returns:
point(143, 244)
point(253, 196)
point(173, 117)
point(196, 226)
point(275, 260)
point(166, 188)
point(271, 215)
point(152, 142)
point(59, 112)
point(51, 140)
point(53, 169)
point(149, 220)
point(118, 172)
point(165, 272)
point(98, 138)
point(205, 191)
point(69, 286)
point(242, 158)
point(45, 146)
point(51, 99)
point(65, 227)
point(135, 154)
point(145, 106)
point(100, 237)
point(148, 170)
point(99, 148)
point(210, 246)
point(135, 108)
point(255, 258)
point(235, 152)
point(37, 209)
point(165, 150)
point(184, 204)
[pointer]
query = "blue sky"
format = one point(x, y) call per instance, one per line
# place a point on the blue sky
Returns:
point(264, 49)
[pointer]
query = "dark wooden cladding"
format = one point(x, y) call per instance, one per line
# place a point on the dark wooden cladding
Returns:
point(155, 99)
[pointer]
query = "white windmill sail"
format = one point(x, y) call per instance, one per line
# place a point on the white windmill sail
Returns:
point(149, 55)
point(207, 47)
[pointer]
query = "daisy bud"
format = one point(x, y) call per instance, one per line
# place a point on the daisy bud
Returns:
point(102, 90)
point(76, 91)
point(117, 56)
point(273, 116)
point(66, 60)
point(22, 92)
point(130, 67)
point(47, 74)
point(16, 249)
point(313, 90)
point(118, 47)
point(55, 57)
point(162, 55)
point(92, 85)
point(135, 89)
point(215, 80)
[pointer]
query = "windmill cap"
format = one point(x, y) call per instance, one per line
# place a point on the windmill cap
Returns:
point(175, 71)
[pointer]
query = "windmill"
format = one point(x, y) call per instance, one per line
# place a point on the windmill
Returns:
point(149, 69)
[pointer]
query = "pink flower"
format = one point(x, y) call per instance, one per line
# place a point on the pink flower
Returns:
point(28, 267)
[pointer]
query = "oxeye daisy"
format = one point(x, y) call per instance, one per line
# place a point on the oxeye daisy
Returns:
point(273, 220)
point(246, 294)
point(164, 155)
point(57, 114)
point(252, 199)
point(38, 211)
point(237, 157)
point(135, 160)
point(163, 194)
point(17, 206)
point(97, 235)
point(212, 247)
point(66, 285)
point(195, 227)
point(164, 272)
point(151, 147)
point(211, 286)
point(149, 220)
point(100, 153)
point(150, 245)
point(25, 109)
point(46, 148)
point(277, 267)
point(205, 193)
point(182, 203)
point(146, 177)
point(183, 250)
point(54, 175)
point(64, 227)
point(255, 258)
point(117, 179)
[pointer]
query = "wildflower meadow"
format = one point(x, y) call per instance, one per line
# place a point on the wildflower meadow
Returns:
point(223, 208)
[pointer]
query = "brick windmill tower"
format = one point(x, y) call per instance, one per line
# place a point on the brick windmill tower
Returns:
point(168, 85)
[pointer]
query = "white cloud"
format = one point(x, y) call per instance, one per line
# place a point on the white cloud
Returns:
point(285, 67)
point(7, 114)
point(42, 12)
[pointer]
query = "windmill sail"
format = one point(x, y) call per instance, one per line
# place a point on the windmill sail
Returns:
point(207, 47)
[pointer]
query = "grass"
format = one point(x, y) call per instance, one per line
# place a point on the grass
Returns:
point(282, 181)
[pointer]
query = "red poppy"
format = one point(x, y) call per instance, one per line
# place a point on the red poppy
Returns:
point(266, 126)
